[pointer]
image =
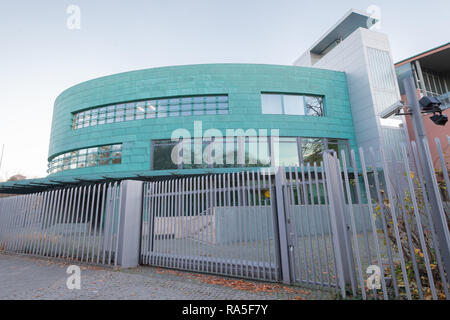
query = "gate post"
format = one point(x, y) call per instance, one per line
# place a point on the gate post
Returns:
point(281, 229)
point(130, 223)
point(339, 225)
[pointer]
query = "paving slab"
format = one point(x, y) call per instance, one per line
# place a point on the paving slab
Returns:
point(28, 277)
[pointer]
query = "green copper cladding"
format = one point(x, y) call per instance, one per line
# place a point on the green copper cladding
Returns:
point(243, 83)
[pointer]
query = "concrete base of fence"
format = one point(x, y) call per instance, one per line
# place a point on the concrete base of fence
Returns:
point(130, 223)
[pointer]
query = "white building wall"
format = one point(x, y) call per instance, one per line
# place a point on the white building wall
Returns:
point(370, 89)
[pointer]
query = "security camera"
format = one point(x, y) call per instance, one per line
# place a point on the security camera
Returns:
point(392, 110)
point(430, 104)
point(439, 119)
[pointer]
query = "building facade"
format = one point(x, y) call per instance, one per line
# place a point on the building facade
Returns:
point(123, 125)
point(431, 72)
point(214, 118)
point(365, 56)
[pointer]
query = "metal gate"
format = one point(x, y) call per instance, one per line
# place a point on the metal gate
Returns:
point(362, 225)
point(311, 246)
point(222, 224)
point(370, 230)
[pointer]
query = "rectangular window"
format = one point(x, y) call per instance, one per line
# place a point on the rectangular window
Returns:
point(235, 152)
point(292, 104)
point(312, 150)
point(120, 112)
point(286, 154)
point(140, 110)
point(271, 104)
point(162, 155)
point(129, 112)
point(314, 106)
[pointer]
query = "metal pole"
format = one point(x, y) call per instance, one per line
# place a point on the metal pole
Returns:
point(428, 170)
point(1, 157)
point(284, 246)
point(340, 227)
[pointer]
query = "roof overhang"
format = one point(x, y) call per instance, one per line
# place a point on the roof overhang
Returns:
point(352, 21)
point(437, 59)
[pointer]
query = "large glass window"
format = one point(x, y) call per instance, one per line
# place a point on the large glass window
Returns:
point(287, 153)
point(271, 104)
point(312, 150)
point(162, 155)
point(90, 157)
point(231, 152)
point(292, 104)
point(314, 106)
point(156, 108)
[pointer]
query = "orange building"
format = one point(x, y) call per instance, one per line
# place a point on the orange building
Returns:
point(431, 71)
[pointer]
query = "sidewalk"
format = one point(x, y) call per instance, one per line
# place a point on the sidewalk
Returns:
point(25, 277)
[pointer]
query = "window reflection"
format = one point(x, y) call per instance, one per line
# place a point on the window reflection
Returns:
point(157, 108)
point(314, 106)
point(292, 104)
point(271, 104)
point(231, 152)
point(90, 157)
point(312, 151)
point(286, 152)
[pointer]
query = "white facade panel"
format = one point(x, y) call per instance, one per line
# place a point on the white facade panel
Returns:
point(366, 59)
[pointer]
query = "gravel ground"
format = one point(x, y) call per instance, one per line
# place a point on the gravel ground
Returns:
point(26, 277)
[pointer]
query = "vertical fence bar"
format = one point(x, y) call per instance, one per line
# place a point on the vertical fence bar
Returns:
point(372, 221)
point(291, 212)
point(53, 221)
point(101, 231)
point(419, 224)
point(318, 223)
point(91, 216)
point(43, 234)
point(437, 210)
point(443, 165)
point(409, 236)
point(262, 215)
point(66, 222)
point(303, 225)
point(353, 224)
point(298, 224)
point(23, 215)
point(310, 183)
point(383, 221)
point(59, 211)
point(97, 208)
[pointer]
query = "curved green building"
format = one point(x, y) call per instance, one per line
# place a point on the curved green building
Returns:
point(122, 125)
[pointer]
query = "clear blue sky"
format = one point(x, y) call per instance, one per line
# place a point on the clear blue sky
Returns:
point(40, 57)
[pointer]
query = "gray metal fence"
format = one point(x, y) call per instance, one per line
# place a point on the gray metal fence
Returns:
point(402, 241)
point(339, 224)
point(221, 224)
point(78, 224)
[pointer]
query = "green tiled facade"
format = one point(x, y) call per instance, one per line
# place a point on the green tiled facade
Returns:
point(243, 83)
